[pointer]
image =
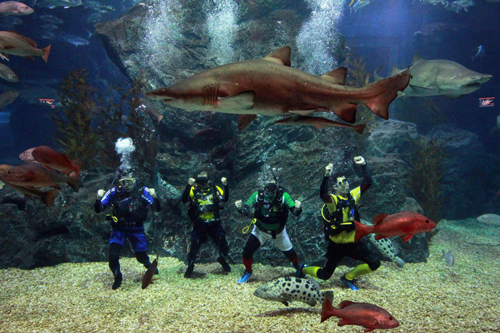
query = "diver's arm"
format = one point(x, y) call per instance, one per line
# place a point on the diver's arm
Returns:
point(323, 190)
point(185, 194)
point(98, 206)
point(102, 200)
point(155, 206)
point(246, 209)
point(367, 182)
point(225, 194)
point(292, 205)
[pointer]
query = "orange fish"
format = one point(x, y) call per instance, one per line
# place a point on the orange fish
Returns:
point(51, 159)
point(14, 43)
point(404, 224)
point(147, 278)
point(36, 175)
point(370, 316)
point(47, 197)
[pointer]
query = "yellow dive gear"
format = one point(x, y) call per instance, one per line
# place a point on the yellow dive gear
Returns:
point(352, 1)
point(246, 229)
point(111, 217)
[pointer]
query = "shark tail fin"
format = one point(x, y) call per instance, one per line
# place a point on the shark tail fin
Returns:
point(385, 91)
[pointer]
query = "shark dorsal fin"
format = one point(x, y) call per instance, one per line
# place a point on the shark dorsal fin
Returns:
point(395, 70)
point(416, 58)
point(280, 56)
point(336, 76)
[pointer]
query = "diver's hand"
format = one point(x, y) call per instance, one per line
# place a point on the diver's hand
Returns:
point(238, 204)
point(328, 170)
point(359, 160)
point(191, 181)
point(224, 181)
point(298, 204)
point(152, 192)
point(100, 194)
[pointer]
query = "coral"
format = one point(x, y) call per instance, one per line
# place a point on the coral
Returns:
point(426, 160)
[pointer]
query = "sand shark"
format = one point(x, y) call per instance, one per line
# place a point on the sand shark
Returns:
point(441, 77)
point(270, 87)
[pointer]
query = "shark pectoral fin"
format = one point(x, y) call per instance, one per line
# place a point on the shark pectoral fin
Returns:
point(336, 76)
point(244, 120)
point(416, 58)
point(406, 238)
point(302, 113)
point(346, 112)
point(240, 101)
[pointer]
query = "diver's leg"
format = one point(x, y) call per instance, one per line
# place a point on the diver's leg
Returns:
point(282, 242)
point(198, 237)
point(114, 264)
point(218, 235)
point(371, 261)
point(333, 257)
point(256, 239)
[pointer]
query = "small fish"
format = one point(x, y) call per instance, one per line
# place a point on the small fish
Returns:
point(369, 316)
point(287, 289)
point(7, 74)
point(8, 97)
point(74, 39)
point(15, 8)
point(318, 123)
point(36, 175)
point(449, 258)
point(492, 219)
point(479, 53)
point(62, 3)
point(404, 224)
point(147, 278)
point(14, 43)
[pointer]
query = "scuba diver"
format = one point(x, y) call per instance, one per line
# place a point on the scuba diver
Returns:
point(129, 206)
point(339, 213)
point(204, 206)
point(271, 205)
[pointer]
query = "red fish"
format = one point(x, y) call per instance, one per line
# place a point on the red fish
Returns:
point(47, 197)
point(404, 224)
point(36, 175)
point(147, 278)
point(51, 159)
point(369, 316)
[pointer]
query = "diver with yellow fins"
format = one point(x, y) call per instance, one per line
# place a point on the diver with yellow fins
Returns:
point(204, 205)
point(339, 213)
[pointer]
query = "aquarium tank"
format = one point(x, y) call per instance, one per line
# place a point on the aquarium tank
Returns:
point(249, 166)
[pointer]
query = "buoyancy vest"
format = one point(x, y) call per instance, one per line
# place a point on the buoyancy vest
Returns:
point(129, 207)
point(272, 215)
point(205, 200)
point(339, 225)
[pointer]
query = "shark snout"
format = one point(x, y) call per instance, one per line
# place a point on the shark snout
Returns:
point(159, 95)
point(484, 78)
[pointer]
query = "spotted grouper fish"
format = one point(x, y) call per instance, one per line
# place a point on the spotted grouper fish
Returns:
point(386, 247)
point(288, 289)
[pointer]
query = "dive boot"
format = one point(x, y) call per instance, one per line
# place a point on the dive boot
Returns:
point(245, 277)
point(351, 284)
point(118, 281)
point(224, 264)
point(189, 271)
point(299, 273)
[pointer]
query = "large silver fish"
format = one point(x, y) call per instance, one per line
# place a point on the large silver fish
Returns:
point(288, 289)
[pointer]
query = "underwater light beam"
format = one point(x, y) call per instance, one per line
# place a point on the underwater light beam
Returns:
point(317, 40)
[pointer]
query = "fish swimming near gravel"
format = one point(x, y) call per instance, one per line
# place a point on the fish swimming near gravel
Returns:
point(367, 315)
point(386, 247)
point(14, 43)
point(288, 289)
point(271, 87)
point(404, 224)
point(492, 219)
point(147, 278)
point(449, 258)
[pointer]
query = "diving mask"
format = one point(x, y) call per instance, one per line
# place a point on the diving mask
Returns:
point(202, 181)
point(127, 183)
point(343, 182)
point(270, 189)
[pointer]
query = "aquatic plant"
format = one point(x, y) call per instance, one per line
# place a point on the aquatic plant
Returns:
point(425, 178)
point(73, 120)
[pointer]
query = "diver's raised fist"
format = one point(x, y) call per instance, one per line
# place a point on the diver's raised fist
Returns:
point(359, 160)
point(152, 192)
point(224, 181)
point(100, 194)
point(238, 204)
point(191, 181)
point(328, 170)
point(298, 204)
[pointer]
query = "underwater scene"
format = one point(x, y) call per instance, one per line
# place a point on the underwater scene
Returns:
point(249, 166)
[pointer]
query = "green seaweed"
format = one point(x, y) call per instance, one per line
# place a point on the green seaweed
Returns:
point(424, 181)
